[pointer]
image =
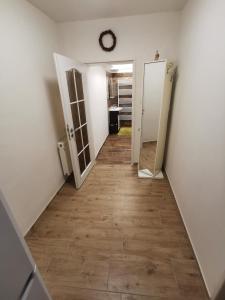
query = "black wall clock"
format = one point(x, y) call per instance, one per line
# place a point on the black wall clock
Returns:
point(101, 42)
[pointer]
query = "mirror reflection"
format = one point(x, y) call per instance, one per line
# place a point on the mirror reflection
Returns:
point(154, 75)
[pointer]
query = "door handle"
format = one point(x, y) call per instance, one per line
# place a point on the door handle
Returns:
point(70, 132)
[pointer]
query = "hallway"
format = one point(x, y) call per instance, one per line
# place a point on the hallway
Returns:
point(116, 150)
point(118, 238)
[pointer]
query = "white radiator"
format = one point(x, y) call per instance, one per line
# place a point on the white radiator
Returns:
point(64, 154)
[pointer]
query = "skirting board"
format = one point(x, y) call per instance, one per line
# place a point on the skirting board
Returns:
point(44, 208)
point(189, 236)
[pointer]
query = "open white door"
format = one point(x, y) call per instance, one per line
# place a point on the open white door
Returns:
point(73, 90)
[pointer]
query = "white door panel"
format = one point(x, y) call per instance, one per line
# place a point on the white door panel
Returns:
point(73, 89)
point(36, 290)
point(16, 264)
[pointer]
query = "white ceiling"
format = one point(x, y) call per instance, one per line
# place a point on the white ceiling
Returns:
point(74, 10)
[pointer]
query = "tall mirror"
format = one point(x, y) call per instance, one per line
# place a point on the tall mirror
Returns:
point(158, 77)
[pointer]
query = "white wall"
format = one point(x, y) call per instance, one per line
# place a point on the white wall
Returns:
point(97, 97)
point(196, 154)
point(30, 116)
point(138, 38)
point(154, 77)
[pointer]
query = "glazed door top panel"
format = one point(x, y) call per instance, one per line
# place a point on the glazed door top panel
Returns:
point(79, 85)
point(71, 86)
point(75, 89)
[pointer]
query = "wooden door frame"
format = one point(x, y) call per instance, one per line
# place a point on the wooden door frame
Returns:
point(133, 61)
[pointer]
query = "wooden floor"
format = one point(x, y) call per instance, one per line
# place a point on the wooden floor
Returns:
point(116, 150)
point(117, 238)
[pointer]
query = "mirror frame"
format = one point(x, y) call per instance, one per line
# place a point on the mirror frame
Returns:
point(163, 120)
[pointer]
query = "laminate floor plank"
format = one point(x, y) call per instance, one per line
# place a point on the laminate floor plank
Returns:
point(116, 150)
point(118, 237)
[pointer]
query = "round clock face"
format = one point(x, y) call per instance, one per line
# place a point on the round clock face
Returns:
point(107, 40)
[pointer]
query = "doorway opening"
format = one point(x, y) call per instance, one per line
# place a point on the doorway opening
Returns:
point(117, 148)
point(97, 102)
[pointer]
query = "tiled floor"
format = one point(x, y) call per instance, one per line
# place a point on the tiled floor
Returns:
point(117, 238)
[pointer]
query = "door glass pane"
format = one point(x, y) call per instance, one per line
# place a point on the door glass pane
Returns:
point(85, 135)
point(78, 140)
point(82, 112)
point(79, 84)
point(75, 115)
point(81, 162)
point(75, 86)
point(71, 86)
point(87, 156)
